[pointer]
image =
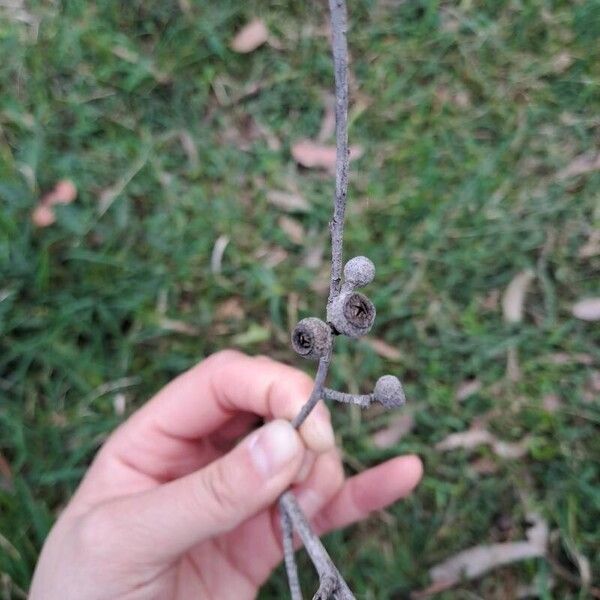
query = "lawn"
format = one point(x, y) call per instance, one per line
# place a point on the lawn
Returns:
point(479, 124)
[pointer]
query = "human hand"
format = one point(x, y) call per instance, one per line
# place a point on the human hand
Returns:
point(171, 508)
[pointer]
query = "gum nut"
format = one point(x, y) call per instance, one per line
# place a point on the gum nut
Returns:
point(311, 338)
point(352, 314)
point(359, 271)
point(388, 392)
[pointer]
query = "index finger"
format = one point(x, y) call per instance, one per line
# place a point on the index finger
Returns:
point(210, 394)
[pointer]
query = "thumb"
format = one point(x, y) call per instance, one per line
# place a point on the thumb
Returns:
point(172, 518)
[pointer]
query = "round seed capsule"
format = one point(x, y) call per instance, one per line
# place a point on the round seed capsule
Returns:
point(351, 314)
point(359, 271)
point(311, 338)
point(388, 391)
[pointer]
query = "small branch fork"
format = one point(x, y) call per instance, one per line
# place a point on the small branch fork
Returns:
point(349, 313)
point(331, 583)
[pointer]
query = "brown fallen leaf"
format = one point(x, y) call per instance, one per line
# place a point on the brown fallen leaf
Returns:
point(551, 403)
point(271, 256)
point(484, 466)
point(177, 326)
point(383, 349)
point(313, 255)
point(478, 560)
point(64, 192)
point(6, 476)
point(514, 296)
point(292, 228)
point(490, 302)
point(561, 62)
point(397, 428)
point(328, 121)
point(250, 37)
point(513, 368)
point(43, 216)
point(313, 155)
point(230, 309)
point(471, 438)
point(564, 358)
point(587, 309)
point(582, 164)
point(288, 201)
point(467, 388)
point(594, 382)
point(592, 247)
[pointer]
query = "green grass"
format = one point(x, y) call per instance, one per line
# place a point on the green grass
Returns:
point(467, 111)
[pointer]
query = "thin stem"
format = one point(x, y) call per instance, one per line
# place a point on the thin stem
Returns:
point(363, 400)
point(317, 391)
point(315, 549)
point(340, 68)
point(288, 553)
point(336, 226)
point(331, 582)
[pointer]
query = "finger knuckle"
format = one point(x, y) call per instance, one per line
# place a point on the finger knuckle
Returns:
point(225, 355)
point(219, 495)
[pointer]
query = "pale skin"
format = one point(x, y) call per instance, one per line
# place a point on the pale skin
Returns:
point(175, 507)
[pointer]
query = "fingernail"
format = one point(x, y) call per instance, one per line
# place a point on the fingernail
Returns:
point(310, 502)
point(273, 446)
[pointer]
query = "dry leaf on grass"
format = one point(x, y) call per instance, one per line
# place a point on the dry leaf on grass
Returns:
point(43, 216)
point(383, 349)
point(471, 438)
point(467, 388)
point(478, 560)
point(120, 404)
point(594, 382)
point(177, 326)
point(561, 62)
point(513, 368)
point(564, 358)
point(216, 258)
point(6, 476)
point(582, 164)
point(293, 229)
point(313, 256)
point(587, 309)
point(313, 155)
point(484, 466)
point(592, 247)
point(64, 192)
point(288, 201)
point(271, 256)
point(230, 309)
point(328, 121)
point(250, 37)
point(551, 403)
point(514, 296)
point(490, 302)
point(397, 428)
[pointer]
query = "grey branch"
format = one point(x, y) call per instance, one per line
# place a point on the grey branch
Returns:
point(331, 583)
point(340, 69)
point(312, 344)
point(362, 400)
point(291, 568)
